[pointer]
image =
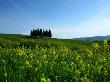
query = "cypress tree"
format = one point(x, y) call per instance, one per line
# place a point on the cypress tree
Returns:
point(35, 33)
point(31, 33)
point(49, 34)
point(40, 32)
point(46, 33)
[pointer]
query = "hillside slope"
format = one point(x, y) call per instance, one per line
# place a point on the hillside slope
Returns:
point(94, 38)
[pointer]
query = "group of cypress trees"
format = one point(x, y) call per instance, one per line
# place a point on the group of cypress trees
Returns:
point(41, 33)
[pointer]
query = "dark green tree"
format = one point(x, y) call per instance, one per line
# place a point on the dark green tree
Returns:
point(32, 33)
point(41, 33)
point(46, 33)
point(49, 33)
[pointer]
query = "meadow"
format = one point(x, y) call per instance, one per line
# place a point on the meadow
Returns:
point(53, 60)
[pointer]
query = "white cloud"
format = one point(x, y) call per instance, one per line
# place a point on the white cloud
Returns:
point(92, 27)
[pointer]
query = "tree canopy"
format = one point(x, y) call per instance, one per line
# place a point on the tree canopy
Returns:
point(41, 33)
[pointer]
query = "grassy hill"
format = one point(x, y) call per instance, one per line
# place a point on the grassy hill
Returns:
point(98, 38)
point(24, 59)
point(12, 36)
point(42, 42)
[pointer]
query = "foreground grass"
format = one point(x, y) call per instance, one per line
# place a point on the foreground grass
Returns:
point(53, 60)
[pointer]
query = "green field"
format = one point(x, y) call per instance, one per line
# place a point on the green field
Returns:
point(23, 59)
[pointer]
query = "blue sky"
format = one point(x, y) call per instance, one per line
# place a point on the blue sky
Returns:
point(65, 18)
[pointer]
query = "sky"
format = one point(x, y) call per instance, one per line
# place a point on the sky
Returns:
point(66, 18)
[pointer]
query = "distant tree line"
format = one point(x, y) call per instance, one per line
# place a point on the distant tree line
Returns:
point(41, 33)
